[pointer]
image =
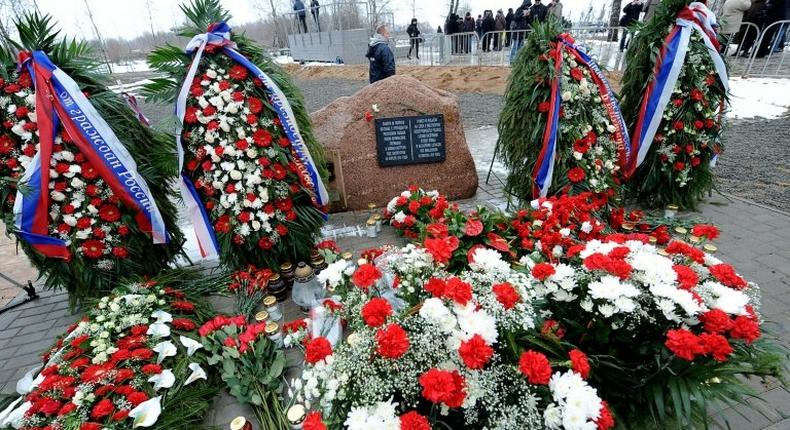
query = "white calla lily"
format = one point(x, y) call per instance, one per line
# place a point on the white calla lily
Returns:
point(165, 349)
point(158, 330)
point(190, 344)
point(146, 413)
point(15, 416)
point(165, 379)
point(162, 316)
point(197, 373)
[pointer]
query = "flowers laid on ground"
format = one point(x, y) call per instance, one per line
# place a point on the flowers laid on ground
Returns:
point(412, 206)
point(103, 241)
point(250, 287)
point(250, 364)
point(133, 361)
point(429, 348)
point(563, 135)
point(250, 178)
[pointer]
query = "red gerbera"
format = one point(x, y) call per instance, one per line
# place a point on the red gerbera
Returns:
point(93, 248)
point(238, 72)
point(475, 352)
point(576, 175)
point(317, 349)
point(109, 213)
point(365, 276)
point(535, 366)
point(392, 341)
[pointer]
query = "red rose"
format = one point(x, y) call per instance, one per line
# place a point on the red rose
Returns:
point(542, 271)
point(684, 344)
point(506, 295)
point(699, 125)
point(412, 420)
point(120, 252)
point(313, 421)
point(475, 352)
point(745, 328)
point(535, 366)
point(697, 95)
point(443, 386)
point(392, 342)
point(265, 243)
point(376, 311)
point(579, 363)
point(709, 123)
point(368, 116)
point(679, 165)
point(366, 276)
point(101, 409)
point(678, 125)
point(317, 349)
point(715, 345)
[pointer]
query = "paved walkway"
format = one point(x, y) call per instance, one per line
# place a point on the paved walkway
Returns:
point(754, 239)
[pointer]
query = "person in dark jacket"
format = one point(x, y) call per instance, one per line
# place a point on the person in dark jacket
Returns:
point(508, 25)
point(468, 27)
point(489, 25)
point(631, 13)
point(538, 12)
point(479, 26)
point(520, 25)
point(414, 37)
point(301, 15)
point(770, 40)
point(314, 7)
point(758, 15)
point(382, 60)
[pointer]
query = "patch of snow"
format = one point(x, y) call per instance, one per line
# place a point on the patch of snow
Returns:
point(130, 66)
point(758, 98)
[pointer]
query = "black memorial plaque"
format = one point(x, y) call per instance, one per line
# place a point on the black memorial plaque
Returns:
point(410, 140)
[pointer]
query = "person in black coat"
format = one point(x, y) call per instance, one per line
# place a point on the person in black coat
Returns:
point(776, 12)
point(299, 9)
point(468, 27)
point(382, 60)
point(631, 13)
point(519, 25)
point(414, 37)
point(508, 26)
point(538, 12)
point(314, 9)
point(489, 26)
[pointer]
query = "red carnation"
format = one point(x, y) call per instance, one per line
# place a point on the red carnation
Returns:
point(542, 271)
point(103, 408)
point(576, 73)
point(443, 386)
point(90, 426)
point(441, 249)
point(183, 324)
point(120, 252)
point(475, 352)
point(686, 277)
point(579, 363)
point(436, 287)
point(412, 420)
point(392, 341)
point(48, 407)
point(183, 306)
point(716, 321)
point(120, 415)
point(152, 369)
point(376, 311)
point(317, 349)
point(605, 419)
point(684, 344)
point(366, 276)
point(535, 366)
point(745, 328)
point(576, 175)
point(67, 409)
point(544, 107)
point(137, 397)
point(313, 421)
point(725, 274)
point(506, 295)
point(458, 291)
point(715, 345)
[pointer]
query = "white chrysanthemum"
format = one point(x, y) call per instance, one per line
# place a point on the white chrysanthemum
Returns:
point(488, 260)
point(476, 322)
point(727, 299)
point(610, 288)
point(399, 217)
point(434, 311)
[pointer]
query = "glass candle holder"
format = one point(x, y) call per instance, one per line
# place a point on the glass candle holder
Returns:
point(670, 211)
point(305, 288)
point(371, 228)
point(377, 218)
point(240, 423)
point(277, 287)
point(273, 307)
point(287, 273)
point(296, 415)
point(261, 316)
point(272, 331)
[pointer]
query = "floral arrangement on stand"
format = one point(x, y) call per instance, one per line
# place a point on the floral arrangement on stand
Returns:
point(134, 360)
point(435, 350)
point(99, 238)
point(560, 129)
point(253, 173)
point(676, 157)
point(250, 364)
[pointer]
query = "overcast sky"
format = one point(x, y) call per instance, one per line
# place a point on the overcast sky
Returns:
point(129, 18)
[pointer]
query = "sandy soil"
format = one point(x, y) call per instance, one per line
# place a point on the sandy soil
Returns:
point(467, 79)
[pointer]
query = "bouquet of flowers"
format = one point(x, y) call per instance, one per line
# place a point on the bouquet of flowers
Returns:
point(668, 330)
point(561, 128)
point(440, 350)
point(101, 236)
point(133, 361)
point(250, 287)
point(257, 183)
point(250, 364)
point(679, 153)
point(415, 207)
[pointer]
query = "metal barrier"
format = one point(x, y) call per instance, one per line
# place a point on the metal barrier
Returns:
point(768, 55)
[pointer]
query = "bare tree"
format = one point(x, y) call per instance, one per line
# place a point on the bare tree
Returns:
point(151, 19)
point(378, 9)
point(11, 10)
point(614, 19)
point(96, 33)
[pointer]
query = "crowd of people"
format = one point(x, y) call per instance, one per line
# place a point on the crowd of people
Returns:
point(761, 13)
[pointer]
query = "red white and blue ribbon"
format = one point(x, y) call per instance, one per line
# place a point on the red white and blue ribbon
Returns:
point(219, 35)
point(544, 167)
point(669, 64)
point(61, 103)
